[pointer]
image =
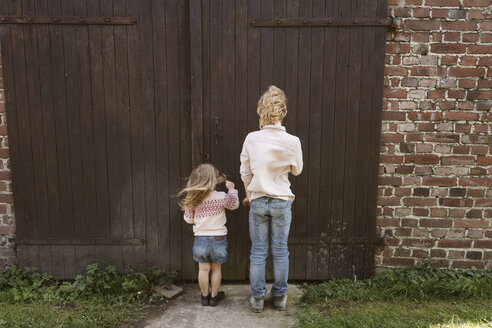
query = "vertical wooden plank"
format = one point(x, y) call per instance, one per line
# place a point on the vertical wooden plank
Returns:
point(315, 132)
point(28, 223)
point(161, 109)
point(364, 131)
point(13, 131)
point(239, 221)
point(111, 106)
point(147, 82)
point(137, 132)
point(379, 54)
point(99, 121)
point(64, 227)
point(279, 45)
point(82, 52)
point(216, 82)
point(352, 126)
point(302, 183)
point(266, 47)
point(46, 107)
point(230, 155)
point(196, 81)
point(84, 255)
point(124, 138)
point(72, 84)
point(328, 257)
point(47, 261)
point(291, 89)
point(35, 115)
point(254, 91)
point(185, 131)
point(173, 126)
point(206, 100)
point(34, 255)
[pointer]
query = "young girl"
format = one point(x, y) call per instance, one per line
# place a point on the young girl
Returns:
point(204, 208)
point(267, 158)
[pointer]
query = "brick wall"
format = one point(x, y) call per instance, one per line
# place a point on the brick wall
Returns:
point(435, 195)
point(7, 225)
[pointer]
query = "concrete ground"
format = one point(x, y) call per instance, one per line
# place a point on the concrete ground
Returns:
point(234, 311)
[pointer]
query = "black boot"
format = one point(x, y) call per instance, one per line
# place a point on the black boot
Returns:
point(205, 299)
point(214, 301)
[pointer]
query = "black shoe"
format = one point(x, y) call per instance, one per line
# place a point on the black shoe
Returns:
point(205, 299)
point(215, 300)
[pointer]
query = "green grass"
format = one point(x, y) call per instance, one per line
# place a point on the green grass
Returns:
point(416, 297)
point(101, 297)
point(94, 312)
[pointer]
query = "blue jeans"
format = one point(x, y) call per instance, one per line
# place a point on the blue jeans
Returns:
point(263, 211)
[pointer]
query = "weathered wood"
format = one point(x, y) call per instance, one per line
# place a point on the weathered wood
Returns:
point(67, 20)
point(82, 241)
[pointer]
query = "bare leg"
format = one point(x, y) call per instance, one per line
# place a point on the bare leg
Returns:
point(216, 278)
point(203, 273)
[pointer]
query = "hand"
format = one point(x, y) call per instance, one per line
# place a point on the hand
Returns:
point(246, 201)
point(229, 184)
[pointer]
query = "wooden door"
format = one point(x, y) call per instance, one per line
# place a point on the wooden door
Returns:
point(328, 56)
point(99, 131)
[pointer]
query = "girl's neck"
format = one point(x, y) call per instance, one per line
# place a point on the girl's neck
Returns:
point(279, 123)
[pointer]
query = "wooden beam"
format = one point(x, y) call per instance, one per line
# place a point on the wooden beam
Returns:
point(336, 240)
point(81, 241)
point(345, 22)
point(63, 20)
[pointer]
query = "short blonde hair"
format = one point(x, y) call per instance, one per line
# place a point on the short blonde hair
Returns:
point(272, 106)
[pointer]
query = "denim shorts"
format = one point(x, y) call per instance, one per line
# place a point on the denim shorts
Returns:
point(207, 249)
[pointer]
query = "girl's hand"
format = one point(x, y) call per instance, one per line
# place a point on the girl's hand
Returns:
point(229, 184)
point(246, 201)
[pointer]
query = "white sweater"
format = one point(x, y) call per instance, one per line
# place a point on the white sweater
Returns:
point(209, 217)
point(267, 158)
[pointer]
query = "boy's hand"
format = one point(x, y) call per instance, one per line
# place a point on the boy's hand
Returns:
point(229, 184)
point(246, 201)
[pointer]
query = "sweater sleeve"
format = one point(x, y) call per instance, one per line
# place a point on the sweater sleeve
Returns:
point(245, 169)
point(189, 216)
point(297, 164)
point(231, 199)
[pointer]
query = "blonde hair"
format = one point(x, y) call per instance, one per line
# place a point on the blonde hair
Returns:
point(201, 182)
point(272, 106)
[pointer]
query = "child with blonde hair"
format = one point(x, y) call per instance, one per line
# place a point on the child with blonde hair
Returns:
point(267, 158)
point(204, 207)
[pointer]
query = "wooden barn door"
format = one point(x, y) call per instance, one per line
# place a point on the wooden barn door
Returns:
point(99, 122)
point(328, 56)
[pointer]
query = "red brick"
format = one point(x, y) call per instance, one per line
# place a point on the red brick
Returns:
point(417, 211)
point(439, 181)
point(448, 48)
point(440, 13)
point(466, 72)
point(458, 116)
point(395, 93)
point(388, 201)
point(479, 49)
point(479, 94)
point(421, 12)
point(476, 3)
point(454, 202)
point(398, 261)
point(442, 3)
point(456, 94)
point(422, 25)
point(467, 84)
point(387, 222)
point(391, 159)
point(422, 159)
point(484, 161)
point(419, 201)
point(417, 242)
point(436, 223)
point(475, 182)
point(470, 37)
point(425, 116)
point(438, 253)
point(468, 264)
point(485, 61)
point(474, 214)
point(457, 160)
point(420, 253)
point(483, 244)
point(454, 243)
point(393, 116)
point(459, 26)
point(483, 202)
